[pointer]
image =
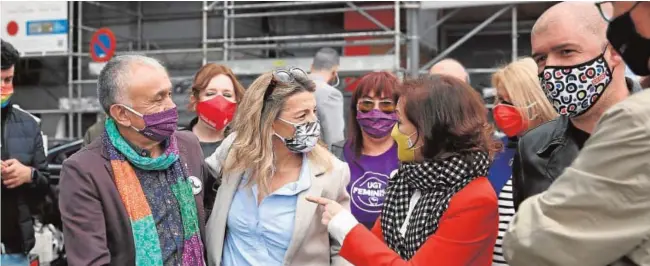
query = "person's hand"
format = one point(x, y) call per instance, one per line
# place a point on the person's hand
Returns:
point(330, 208)
point(15, 174)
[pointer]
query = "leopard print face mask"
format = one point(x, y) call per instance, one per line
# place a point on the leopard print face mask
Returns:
point(572, 90)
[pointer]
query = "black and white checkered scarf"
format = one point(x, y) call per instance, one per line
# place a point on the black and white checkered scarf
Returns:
point(438, 181)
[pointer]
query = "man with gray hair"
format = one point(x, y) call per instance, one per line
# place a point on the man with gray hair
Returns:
point(329, 100)
point(134, 195)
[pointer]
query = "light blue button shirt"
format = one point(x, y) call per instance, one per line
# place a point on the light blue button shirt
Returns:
point(260, 234)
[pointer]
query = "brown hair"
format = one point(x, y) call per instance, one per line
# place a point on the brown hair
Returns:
point(378, 82)
point(449, 115)
point(209, 71)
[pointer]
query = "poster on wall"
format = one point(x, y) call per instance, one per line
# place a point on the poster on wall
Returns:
point(35, 27)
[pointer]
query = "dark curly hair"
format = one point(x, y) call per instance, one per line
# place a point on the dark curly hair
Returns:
point(450, 116)
point(9, 55)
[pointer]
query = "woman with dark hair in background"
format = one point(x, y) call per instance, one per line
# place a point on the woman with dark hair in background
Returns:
point(440, 209)
point(214, 96)
point(370, 151)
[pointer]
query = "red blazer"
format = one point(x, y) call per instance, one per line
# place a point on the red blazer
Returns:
point(466, 234)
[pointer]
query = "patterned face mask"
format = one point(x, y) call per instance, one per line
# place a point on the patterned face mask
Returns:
point(572, 90)
point(304, 138)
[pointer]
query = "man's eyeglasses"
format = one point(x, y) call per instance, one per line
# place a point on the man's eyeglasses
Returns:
point(606, 8)
point(285, 76)
point(367, 105)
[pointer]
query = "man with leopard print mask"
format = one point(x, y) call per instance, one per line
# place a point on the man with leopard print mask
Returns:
point(597, 211)
point(582, 76)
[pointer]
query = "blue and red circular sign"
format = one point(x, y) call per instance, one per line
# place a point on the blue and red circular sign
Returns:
point(102, 45)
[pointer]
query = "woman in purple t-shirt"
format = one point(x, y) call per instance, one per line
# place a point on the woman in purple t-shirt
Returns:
point(370, 151)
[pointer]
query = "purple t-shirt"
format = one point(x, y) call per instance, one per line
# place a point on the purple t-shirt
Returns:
point(368, 181)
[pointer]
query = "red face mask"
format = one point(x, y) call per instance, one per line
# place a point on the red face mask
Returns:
point(216, 112)
point(509, 119)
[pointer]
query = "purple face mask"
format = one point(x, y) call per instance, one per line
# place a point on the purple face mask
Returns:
point(158, 126)
point(376, 123)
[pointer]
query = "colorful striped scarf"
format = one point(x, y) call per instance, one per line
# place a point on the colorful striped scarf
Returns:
point(145, 235)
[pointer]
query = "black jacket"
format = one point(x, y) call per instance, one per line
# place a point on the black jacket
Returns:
point(543, 153)
point(211, 184)
point(22, 140)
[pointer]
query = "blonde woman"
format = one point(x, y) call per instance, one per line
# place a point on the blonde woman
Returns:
point(267, 166)
point(520, 105)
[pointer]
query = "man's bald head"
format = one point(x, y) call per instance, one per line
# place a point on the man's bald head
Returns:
point(570, 33)
point(582, 15)
point(452, 68)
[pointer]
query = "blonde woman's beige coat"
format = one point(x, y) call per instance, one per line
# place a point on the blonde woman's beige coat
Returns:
point(310, 243)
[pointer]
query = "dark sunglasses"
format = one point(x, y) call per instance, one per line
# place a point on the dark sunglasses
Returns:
point(386, 106)
point(285, 76)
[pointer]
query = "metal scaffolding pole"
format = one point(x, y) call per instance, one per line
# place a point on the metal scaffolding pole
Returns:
point(140, 33)
point(94, 81)
point(307, 12)
point(79, 87)
point(312, 44)
point(159, 52)
point(462, 40)
point(413, 59)
point(368, 16)
point(210, 7)
point(307, 36)
point(70, 113)
point(272, 5)
point(88, 28)
point(398, 34)
point(485, 32)
point(141, 52)
point(167, 51)
point(481, 70)
point(114, 8)
point(444, 18)
point(231, 31)
point(515, 52)
point(496, 25)
point(204, 33)
point(225, 31)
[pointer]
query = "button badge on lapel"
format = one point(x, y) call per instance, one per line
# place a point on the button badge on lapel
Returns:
point(196, 184)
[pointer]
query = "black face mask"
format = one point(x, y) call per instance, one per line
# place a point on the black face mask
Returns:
point(634, 49)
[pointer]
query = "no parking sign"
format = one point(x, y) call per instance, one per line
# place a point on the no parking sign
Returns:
point(102, 45)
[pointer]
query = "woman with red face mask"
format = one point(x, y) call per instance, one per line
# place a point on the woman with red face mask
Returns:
point(520, 105)
point(214, 96)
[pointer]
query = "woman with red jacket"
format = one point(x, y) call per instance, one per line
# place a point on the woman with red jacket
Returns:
point(440, 209)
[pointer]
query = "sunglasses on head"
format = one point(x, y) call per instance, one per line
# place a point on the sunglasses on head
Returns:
point(285, 76)
point(367, 105)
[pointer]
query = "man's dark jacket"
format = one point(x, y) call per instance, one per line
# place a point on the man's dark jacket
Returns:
point(543, 153)
point(22, 140)
point(96, 226)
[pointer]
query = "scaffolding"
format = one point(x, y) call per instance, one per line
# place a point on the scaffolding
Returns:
point(229, 43)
